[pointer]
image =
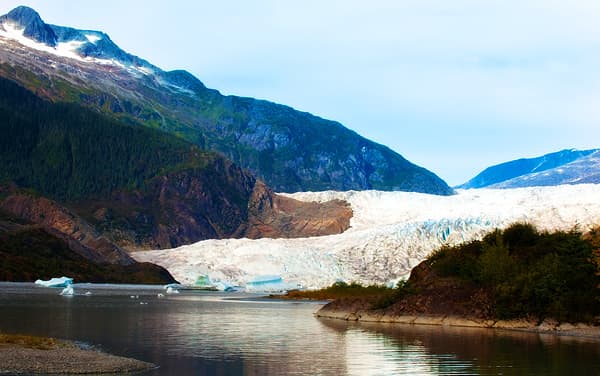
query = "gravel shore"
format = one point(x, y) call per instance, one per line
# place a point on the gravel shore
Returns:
point(62, 357)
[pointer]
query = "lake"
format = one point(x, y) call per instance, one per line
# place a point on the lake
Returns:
point(213, 333)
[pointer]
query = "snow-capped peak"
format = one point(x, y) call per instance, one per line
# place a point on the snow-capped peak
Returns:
point(25, 26)
point(31, 24)
point(93, 38)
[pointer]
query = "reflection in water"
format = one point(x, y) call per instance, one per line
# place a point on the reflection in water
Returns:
point(206, 334)
point(438, 350)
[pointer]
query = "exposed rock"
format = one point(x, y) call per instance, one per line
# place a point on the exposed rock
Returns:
point(185, 207)
point(61, 222)
point(275, 216)
point(30, 251)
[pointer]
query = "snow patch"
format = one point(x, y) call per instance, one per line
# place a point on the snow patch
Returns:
point(93, 38)
point(68, 50)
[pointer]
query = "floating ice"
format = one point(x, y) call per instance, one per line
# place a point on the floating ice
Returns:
point(68, 291)
point(55, 282)
point(223, 286)
point(171, 290)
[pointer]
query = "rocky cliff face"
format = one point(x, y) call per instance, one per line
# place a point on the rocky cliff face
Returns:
point(186, 207)
point(275, 216)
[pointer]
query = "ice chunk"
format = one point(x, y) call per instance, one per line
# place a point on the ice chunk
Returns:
point(55, 282)
point(224, 286)
point(68, 291)
point(171, 290)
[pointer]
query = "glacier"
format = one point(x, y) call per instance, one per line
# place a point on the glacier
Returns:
point(389, 234)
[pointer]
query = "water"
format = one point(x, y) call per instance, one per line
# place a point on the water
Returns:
point(210, 334)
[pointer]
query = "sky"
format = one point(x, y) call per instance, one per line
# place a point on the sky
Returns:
point(453, 86)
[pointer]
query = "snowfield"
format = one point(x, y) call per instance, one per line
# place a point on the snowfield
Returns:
point(390, 233)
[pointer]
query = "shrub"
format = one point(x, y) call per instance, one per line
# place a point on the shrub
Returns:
point(531, 273)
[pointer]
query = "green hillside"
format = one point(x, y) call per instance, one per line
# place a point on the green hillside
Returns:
point(67, 152)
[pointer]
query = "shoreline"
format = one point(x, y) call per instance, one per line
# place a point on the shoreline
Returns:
point(575, 330)
point(20, 354)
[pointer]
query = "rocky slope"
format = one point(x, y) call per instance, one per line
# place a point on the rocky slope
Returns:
point(288, 149)
point(563, 167)
point(62, 223)
point(29, 252)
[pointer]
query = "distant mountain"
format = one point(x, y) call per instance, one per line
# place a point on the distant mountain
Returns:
point(288, 149)
point(564, 167)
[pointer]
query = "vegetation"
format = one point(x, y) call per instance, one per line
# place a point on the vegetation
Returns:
point(67, 152)
point(288, 149)
point(530, 273)
point(380, 296)
point(340, 290)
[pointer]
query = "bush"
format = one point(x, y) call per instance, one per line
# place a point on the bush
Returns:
point(531, 273)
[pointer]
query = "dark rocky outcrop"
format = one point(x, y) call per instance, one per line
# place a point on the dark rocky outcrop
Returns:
point(276, 216)
point(30, 251)
point(60, 222)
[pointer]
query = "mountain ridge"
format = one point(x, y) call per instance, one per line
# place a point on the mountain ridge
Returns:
point(524, 172)
point(288, 149)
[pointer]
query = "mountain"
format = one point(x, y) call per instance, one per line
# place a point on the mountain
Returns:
point(288, 149)
point(568, 166)
point(138, 187)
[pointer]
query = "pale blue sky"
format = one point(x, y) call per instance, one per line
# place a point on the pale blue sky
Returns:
point(454, 86)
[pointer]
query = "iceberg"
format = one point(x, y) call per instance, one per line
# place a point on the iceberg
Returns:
point(55, 282)
point(68, 291)
point(171, 290)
